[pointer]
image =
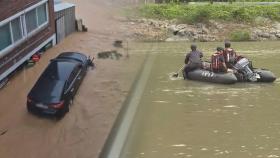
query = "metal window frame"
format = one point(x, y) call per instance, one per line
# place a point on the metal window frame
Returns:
point(12, 31)
point(43, 25)
point(23, 24)
point(31, 32)
point(47, 14)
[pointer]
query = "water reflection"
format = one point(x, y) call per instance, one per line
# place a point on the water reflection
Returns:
point(182, 119)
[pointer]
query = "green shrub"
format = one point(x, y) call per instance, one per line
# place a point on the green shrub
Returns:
point(221, 15)
point(203, 13)
point(195, 14)
point(241, 14)
point(240, 35)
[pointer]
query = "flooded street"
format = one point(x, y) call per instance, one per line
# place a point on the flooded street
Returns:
point(83, 131)
point(178, 118)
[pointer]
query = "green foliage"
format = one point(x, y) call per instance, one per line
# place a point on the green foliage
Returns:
point(194, 14)
point(242, 14)
point(211, 1)
point(257, 1)
point(240, 35)
point(203, 13)
point(162, 12)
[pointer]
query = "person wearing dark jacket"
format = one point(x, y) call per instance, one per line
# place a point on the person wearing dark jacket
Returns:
point(193, 59)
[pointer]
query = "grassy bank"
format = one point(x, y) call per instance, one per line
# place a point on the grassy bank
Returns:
point(203, 13)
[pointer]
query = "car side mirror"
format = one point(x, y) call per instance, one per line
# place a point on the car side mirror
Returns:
point(90, 62)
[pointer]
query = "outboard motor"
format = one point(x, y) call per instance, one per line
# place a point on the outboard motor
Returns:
point(243, 66)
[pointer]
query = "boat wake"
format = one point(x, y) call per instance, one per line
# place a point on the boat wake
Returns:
point(172, 76)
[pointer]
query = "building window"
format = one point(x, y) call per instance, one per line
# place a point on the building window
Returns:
point(16, 29)
point(42, 14)
point(36, 18)
point(20, 27)
point(5, 36)
point(31, 20)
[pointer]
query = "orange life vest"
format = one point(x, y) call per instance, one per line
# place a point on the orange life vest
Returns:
point(216, 63)
point(229, 55)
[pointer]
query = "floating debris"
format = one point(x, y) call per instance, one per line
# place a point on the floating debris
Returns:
point(3, 132)
point(109, 54)
point(118, 43)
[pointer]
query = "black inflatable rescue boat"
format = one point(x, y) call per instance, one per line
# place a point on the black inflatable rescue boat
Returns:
point(243, 71)
point(208, 76)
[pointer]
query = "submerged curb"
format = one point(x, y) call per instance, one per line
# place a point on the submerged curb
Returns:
point(118, 135)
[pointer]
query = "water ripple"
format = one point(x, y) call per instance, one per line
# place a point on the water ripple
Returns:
point(160, 101)
point(277, 80)
point(173, 76)
point(231, 106)
point(183, 91)
point(203, 149)
point(272, 156)
point(178, 145)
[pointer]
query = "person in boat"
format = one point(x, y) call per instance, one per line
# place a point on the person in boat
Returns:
point(218, 61)
point(230, 55)
point(193, 59)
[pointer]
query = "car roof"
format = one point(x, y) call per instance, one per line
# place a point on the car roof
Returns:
point(72, 56)
point(59, 70)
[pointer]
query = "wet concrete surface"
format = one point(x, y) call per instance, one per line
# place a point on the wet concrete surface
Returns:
point(83, 131)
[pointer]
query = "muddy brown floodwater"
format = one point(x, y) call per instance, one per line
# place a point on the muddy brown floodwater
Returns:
point(83, 131)
point(179, 118)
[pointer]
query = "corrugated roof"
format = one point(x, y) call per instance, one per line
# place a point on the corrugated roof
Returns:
point(61, 6)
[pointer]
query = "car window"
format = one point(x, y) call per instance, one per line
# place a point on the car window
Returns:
point(67, 84)
point(73, 74)
point(59, 70)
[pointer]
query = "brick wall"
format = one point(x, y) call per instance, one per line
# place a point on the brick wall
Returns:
point(11, 7)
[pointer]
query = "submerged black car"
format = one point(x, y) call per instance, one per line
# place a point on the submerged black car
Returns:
point(54, 91)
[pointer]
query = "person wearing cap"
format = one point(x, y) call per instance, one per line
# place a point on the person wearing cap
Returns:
point(193, 59)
